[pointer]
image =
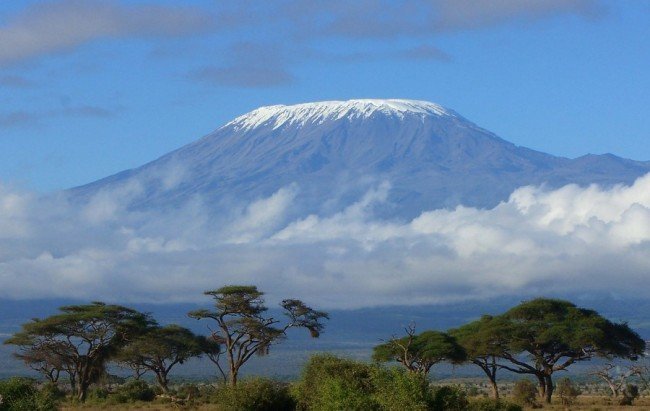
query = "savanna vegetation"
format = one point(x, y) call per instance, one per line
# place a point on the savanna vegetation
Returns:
point(74, 350)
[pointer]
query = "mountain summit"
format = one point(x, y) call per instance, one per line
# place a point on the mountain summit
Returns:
point(333, 152)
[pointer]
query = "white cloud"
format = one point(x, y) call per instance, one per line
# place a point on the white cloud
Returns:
point(574, 239)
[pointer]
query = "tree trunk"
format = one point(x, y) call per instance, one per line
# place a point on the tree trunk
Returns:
point(73, 384)
point(495, 388)
point(233, 378)
point(549, 388)
point(613, 388)
point(163, 382)
point(541, 387)
point(82, 390)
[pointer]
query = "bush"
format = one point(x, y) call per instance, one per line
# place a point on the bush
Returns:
point(333, 394)
point(567, 391)
point(488, 404)
point(524, 393)
point(449, 398)
point(135, 390)
point(21, 394)
point(397, 389)
point(97, 395)
point(338, 378)
point(630, 393)
point(255, 394)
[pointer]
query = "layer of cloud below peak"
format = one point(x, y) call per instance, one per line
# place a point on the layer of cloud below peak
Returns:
point(573, 239)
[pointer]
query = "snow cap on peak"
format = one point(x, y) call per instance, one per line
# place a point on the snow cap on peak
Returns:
point(319, 112)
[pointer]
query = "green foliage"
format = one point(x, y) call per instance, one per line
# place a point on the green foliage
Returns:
point(321, 373)
point(482, 338)
point(488, 404)
point(548, 326)
point(334, 394)
point(160, 349)
point(567, 391)
point(524, 393)
point(21, 394)
point(397, 389)
point(333, 383)
point(448, 398)
point(134, 390)
point(98, 395)
point(420, 352)
point(255, 394)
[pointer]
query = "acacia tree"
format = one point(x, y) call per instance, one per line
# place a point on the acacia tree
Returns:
point(83, 338)
point(159, 350)
point(554, 334)
point(244, 329)
point(485, 341)
point(616, 376)
point(419, 352)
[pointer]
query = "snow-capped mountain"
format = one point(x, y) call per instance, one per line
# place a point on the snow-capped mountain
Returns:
point(333, 152)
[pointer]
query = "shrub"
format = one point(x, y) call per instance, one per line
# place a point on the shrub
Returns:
point(21, 394)
point(489, 404)
point(397, 389)
point(524, 393)
point(449, 398)
point(333, 394)
point(255, 394)
point(630, 393)
point(135, 390)
point(326, 374)
point(189, 392)
point(567, 391)
point(97, 395)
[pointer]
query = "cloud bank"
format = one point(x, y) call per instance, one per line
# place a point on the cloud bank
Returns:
point(571, 240)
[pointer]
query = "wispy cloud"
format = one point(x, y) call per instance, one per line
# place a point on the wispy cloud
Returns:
point(22, 118)
point(385, 19)
point(299, 29)
point(570, 240)
point(278, 34)
point(248, 65)
point(61, 26)
point(14, 81)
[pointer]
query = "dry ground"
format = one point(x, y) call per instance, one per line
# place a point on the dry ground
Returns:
point(584, 403)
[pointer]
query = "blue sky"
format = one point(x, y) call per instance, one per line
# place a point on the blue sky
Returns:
point(89, 88)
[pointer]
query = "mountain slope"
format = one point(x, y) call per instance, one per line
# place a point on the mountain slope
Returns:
point(335, 151)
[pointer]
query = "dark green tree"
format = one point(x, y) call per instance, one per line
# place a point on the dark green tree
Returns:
point(419, 352)
point(245, 329)
point(485, 341)
point(85, 337)
point(554, 334)
point(160, 349)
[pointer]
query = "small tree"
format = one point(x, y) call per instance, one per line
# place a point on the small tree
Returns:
point(418, 353)
point(567, 391)
point(244, 329)
point(616, 376)
point(83, 337)
point(484, 341)
point(160, 349)
point(524, 393)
